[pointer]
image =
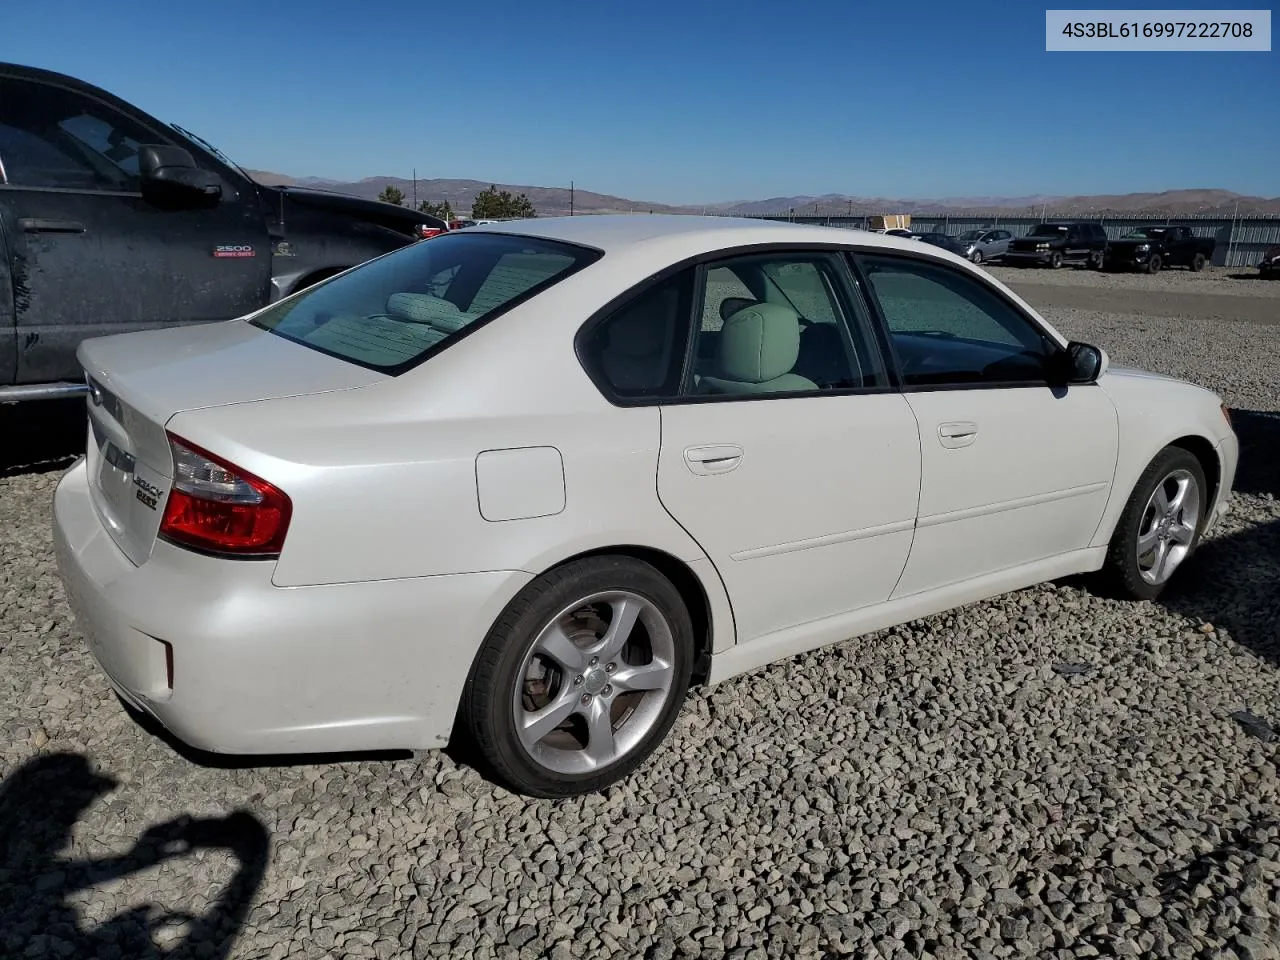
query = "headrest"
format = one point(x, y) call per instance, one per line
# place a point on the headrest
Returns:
point(424, 308)
point(759, 342)
point(731, 305)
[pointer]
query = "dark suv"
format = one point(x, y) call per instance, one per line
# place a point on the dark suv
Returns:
point(1053, 244)
point(111, 221)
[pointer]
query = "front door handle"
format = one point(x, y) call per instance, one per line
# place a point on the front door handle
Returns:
point(39, 225)
point(957, 433)
point(716, 458)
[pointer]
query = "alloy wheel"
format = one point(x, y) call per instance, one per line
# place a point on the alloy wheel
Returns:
point(1168, 526)
point(594, 682)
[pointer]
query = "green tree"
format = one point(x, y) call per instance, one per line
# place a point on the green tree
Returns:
point(495, 204)
point(442, 210)
point(392, 194)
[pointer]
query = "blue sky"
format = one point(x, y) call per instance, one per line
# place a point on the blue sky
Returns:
point(678, 102)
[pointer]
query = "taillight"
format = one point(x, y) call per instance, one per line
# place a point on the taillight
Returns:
point(216, 507)
point(426, 232)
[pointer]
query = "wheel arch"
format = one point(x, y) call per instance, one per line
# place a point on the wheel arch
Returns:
point(693, 591)
point(1206, 453)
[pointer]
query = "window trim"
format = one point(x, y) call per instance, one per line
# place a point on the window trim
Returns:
point(702, 262)
point(855, 258)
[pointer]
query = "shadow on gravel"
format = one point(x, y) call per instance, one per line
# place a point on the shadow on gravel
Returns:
point(41, 435)
point(40, 804)
point(1259, 433)
point(1234, 582)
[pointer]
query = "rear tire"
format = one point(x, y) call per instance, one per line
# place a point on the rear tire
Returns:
point(1197, 263)
point(606, 699)
point(1096, 260)
point(1160, 526)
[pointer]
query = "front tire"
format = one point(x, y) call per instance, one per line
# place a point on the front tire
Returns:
point(1154, 264)
point(1055, 260)
point(977, 257)
point(1160, 526)
point(580, 678)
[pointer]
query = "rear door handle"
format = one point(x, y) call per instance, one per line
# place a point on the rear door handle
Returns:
point(38, 225)
point(957, 433)
point(716, 458)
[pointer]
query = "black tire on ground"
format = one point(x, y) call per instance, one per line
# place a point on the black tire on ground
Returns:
point(487, 714)
point(1120, 573)
point(1197, 262)
point(1055, 260)
point(1154, 264)
point(1096, 260)
point(977, 256)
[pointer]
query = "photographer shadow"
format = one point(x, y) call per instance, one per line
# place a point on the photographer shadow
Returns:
point(40, 804)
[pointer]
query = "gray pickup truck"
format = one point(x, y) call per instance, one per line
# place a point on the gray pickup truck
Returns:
point(112, 221)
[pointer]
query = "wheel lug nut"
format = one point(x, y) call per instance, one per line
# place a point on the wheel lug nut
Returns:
point(594, 661)
point(608, 689)
point(586, 698)
point(577, 681)
point(610, 667)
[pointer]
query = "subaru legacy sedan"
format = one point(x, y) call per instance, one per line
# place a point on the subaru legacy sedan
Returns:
point(526, 484)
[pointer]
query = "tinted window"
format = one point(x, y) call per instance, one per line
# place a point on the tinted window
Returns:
point(794, 333)
point(948, 328)
point(639, 349)
point(51, 137)
point(388, 313)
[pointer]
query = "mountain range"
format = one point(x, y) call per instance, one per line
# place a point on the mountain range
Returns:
point(555, 201)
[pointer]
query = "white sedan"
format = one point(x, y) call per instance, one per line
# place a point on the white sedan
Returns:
point(528, 482)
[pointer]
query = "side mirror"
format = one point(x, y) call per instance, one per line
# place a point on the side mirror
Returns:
point(170, 176)
point(1083, 362)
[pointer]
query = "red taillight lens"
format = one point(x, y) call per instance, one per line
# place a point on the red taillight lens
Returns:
point(216, 507)
point(427, 233)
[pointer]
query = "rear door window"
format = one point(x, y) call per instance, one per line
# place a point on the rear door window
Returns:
point(395, 311)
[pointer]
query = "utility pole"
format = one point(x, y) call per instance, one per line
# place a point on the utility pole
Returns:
point(571, 198)
point(415, 188)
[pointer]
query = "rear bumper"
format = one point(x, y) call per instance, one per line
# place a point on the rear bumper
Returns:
point(260, 669)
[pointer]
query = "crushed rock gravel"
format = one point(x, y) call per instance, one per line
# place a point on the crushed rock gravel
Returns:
point(941, 789)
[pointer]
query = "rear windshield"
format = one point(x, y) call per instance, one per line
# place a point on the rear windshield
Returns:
point(1048, 230)
point(394, 312)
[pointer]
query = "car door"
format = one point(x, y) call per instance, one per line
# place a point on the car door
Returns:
point(1000, 240)
point(1013, 470)
point(787, 455)
point(89, 255)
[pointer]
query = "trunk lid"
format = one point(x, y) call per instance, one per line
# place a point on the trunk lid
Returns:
point(138, 381)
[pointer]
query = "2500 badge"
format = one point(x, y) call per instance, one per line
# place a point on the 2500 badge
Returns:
point(148, 493)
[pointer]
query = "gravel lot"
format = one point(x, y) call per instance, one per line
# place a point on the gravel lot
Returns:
point(1049, 774)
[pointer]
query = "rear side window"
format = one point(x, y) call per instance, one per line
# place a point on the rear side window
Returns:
point(393, 312)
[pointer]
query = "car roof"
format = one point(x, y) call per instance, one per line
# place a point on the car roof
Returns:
point(621, 232)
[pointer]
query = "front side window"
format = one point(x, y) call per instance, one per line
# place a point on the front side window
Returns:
point(390, 313)
point(948, 328)
point(50, 137)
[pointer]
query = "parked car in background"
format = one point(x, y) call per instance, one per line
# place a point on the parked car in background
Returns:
point(460, 490)
point(1055, 244)
point(1151, 248)
point(111, 220)
point(1269, 265)
point(988, 243)
point(945, 241)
